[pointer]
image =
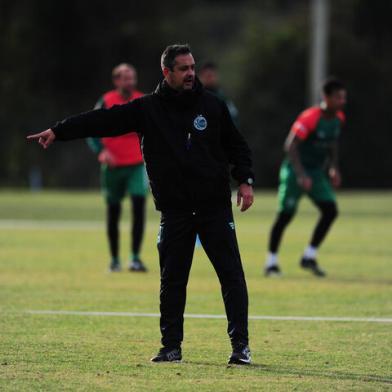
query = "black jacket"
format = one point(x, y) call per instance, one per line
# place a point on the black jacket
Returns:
point(188, 142)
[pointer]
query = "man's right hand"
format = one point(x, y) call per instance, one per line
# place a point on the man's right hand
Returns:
point(105, 156)
point(45, 138)
point(305, 183)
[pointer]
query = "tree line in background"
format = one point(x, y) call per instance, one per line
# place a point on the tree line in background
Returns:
point(57, 58)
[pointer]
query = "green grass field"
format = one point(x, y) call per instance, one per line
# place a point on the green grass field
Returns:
point(53, 256)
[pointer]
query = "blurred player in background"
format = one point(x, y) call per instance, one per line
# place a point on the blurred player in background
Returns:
point(209, 76)
point(122, 171)
point(311, 167)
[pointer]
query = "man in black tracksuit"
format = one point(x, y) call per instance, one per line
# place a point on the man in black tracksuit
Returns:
point(189, 141)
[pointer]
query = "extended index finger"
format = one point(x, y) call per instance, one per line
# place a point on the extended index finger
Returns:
point(34, 136)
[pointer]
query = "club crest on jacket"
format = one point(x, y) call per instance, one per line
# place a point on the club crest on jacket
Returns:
point(200, 123)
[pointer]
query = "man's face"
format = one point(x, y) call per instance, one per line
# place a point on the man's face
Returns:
point(126, 81)
point(209, 78)
point(182, 76)
point(336, 100)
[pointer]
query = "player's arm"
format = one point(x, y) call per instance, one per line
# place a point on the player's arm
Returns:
point(239, 156)
point(291, 148)
point(95, 144)
point(104, 155)
point(334, 172)
point(115, 121)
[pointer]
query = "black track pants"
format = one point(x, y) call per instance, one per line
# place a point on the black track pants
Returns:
point(176, 244)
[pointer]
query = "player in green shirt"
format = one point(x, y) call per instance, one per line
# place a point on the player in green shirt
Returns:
point(311, 168)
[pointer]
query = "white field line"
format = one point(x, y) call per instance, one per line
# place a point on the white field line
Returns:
point(23, 224)
point(213, 316)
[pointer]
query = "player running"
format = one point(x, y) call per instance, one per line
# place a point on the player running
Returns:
point(311, 167)
point(122, 171)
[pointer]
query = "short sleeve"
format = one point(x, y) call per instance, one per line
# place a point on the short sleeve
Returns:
point(306, 123)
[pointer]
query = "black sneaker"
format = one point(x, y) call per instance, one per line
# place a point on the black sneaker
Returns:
point(166, 354)
point(311, 264)
point(136, 265)
point(240, 355)
point(274, 270)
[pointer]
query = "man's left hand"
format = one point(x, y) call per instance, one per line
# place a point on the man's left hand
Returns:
point(245, 194)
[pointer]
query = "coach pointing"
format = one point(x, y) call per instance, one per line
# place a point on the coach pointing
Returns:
point(189, 142)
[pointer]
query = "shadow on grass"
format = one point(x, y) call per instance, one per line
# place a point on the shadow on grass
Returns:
point(287, 371)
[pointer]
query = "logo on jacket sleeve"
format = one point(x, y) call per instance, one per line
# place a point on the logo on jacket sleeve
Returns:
point(200, 123)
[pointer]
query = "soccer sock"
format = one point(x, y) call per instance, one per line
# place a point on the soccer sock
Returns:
point(138, 215)
point(113, 217)
point(329, 213)
point(310, 252)
point(271, 260)
point(282, 220)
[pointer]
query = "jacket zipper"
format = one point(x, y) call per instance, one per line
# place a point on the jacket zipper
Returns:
point(189, 141)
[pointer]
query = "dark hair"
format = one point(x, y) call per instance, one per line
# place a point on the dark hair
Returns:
point(331, 85)
point(171, 52)
point(208, 65)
